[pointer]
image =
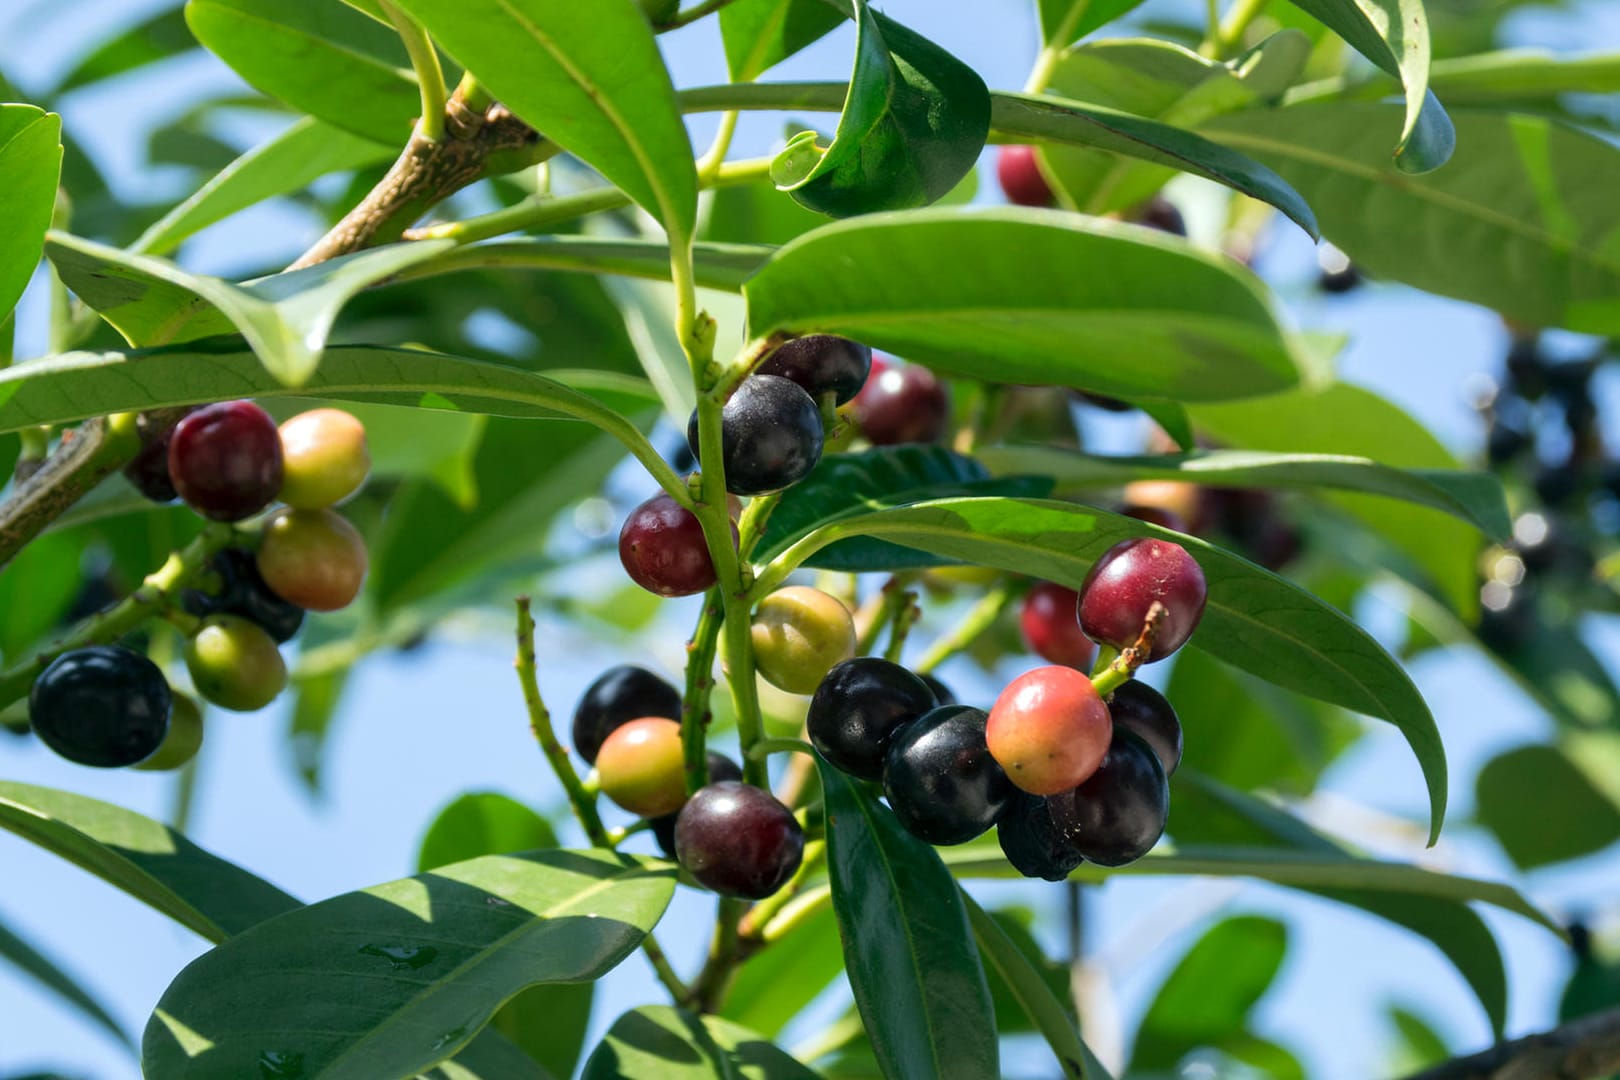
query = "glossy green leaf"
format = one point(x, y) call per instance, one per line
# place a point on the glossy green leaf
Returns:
point(912, 127)
point(759, 34)
point(1523, 76)
point(286, 163)
point(1572, 817)
point(1033, 311)
point(1515, 224)
point(157, 37)
point(410, 444)
point(1254, 620)
point(757, 212)
point(35, 965)
point(391, 980)
point(715, 265)
point(30, 164)
point(322, 59)
point(1064, 22)
point(36, 589)
point(908, 947)
point(657, 1042)
point(588, 75)
point(778, 983)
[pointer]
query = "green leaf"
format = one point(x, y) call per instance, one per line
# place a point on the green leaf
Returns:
point(657, 1042)
point(757, 212)
point(288, 162)
point(30, 164)
point(324, 59)
point(1034, 310)
point(777, 984)
point(1064, 22)
point(1571, 818)
point(1254, 619)
point(1523, 77)
point(759, 34)
point(1419, 1046)
point(390, 980)
point(1513, 225)
point(913, 125)
point(908, 948)
point(591, 78)
point(149, 861)
point(159, 36)
point(32, 963)
point(1394, 34)
point(36, 589)
point(410, 444)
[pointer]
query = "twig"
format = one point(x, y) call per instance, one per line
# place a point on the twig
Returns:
point(1582, 1049)
point(1120, 670)
point(540, 723)
point(980, 617)
point(905, 617)
point(699, 687)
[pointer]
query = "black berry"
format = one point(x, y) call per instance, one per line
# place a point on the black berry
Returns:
point(1119, 814)
point(1144, 712)
point(242, 591)
point(770, 433)
point(943, 694)
point(857, 709)
point(148, 472)
point(619, 695)
point(663, 828)
point(940, 779)
point(738, 840)
point(1032, 842)
point(102, 705)
point(822, 364)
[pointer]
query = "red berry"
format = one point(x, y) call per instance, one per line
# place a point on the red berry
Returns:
point(1049, 730)
point(738, 840)
point(663, 550)
point(642, 766)
point(901, 404)
point(1128, 580)
point(1051, 624)
point(225, 460)
point(148, 472)
point(1021, 179)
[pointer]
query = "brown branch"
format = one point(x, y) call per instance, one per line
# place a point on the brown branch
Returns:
point(1583, 1049)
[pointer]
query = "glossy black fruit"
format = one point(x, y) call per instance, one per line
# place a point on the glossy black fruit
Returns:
point(940, 779)
point(1032, 842)
point(663, 828)
point(1119, 814)
point(822, 364)
point(101, 705)
point(857, 709)
point(243, 592)
point(619, 695)
point(1504, 442)
point(738, 840)
point(943, 694)
point(770, 433)
point(1144, 712)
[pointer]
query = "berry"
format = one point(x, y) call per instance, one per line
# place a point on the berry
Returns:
point(235, 664)
point(1049, 729)
point(1032, 842)
point(642, 767)
point(225, 460)
point(1504, 442)
point(312, 558)
point(770, 435)
point(1144, 712)
point(619, 695)
point(940, 779)
point(183, 740)
point(1160, 213)
point(721, 768)
point(1119, 814)
point(102, 705)
point(242, 591)
point(1128, 580)
point(942, 693)
point(822, 364)
point(1527, 368)
point(1050, 622)
point(1557, 485)
point(1021, 179)
point(148, 472)
point(325, 459)
point(738, 840)
point(663, 550)
point(799, 633)
point(858, 708)
point(901, 404)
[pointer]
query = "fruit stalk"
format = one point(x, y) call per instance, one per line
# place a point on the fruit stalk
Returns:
point(1120, 670)
point(699, 685)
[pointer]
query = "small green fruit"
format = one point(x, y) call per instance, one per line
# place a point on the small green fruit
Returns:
point(183, 740)
point(235, 664)
point(799, 633)
point(324, 458)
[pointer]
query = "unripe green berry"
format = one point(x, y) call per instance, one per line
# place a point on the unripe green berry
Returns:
point(642, 767)
point(183, 739)
point(324, 458)
point(235, 664)
point(312, 558)
point(799, 633)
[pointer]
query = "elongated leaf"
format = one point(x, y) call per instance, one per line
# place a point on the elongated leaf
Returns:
point(587, 75)
point(1572, 816)
point(157, 37)
point(1514, 225)
point(657, 1042)
point(1066, 21)
point(1034, 310)
point(322, 59)
point(1394, 34)
point(30, 164)
point(759, 34)
point(32, 963)
point(777, 984)
point(908, 948)
point(289, 162)
point(1476, 498)
point(1254, 619)
point(391, 980)
point(1523, 76)
point(912, 127)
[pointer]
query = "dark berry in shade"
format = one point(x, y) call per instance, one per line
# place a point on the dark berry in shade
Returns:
point(1505, 442)
point(663, 828)
point(225, 460)
point(102, 705)
point(822, 364)
point(242, 592)
point(1032, 842)
point(148, 472)
point(1119, 593)
point(619, 695)
point(738, 840)
point(663, 550)
point(1119, 814)
point(1020, 177)
point(857, 709)
point(770, 434)
point(943, 694)
point(1160, 213)
point(1145, 713)
point(1527, 368)
point(1557, 485)
point(901, 403)
point(1050, 622)
point(940, 779)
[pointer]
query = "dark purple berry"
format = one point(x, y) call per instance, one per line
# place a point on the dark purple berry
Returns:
point(822, 364)
point(225, 460)
point(663, 548)
point(1119, 814)
point(663, 828)
point(148, 473)
point(770, 434)
point(1119, 593)
point(102, 705)
point(901, 404)
point(940, 779)
point(242, 592)
point(1032, 842)
point(857, 709)
point(1145, 713)
point(738, 840)
point(619, 695)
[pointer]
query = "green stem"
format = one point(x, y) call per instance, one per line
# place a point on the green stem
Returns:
point(473, 94)
point(979, 618)
point(756, 927)
point(754, 519)
point(710, 164)
point(429, 75)
point(538, 212)
point(905, 617)
point(699, 686)
point(765, 747)
point(661, 967)
point(888, 600)
point(185, 794)
point(1229, 36)
point(1118, 671)
point(708, 989)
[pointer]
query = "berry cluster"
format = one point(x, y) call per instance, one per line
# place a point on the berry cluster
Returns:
point(110, 706)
